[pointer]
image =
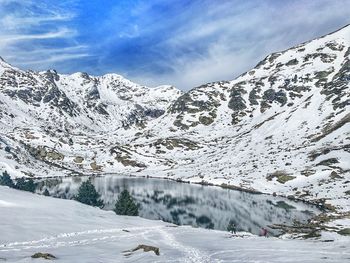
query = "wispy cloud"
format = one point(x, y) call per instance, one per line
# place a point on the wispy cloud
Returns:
point(181, 42)
point(131, 32)
point(223, 40)
point(60, 33)
point(38, 33)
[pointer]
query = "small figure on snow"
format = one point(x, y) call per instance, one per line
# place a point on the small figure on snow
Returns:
point(231, 227)
point(263, 232)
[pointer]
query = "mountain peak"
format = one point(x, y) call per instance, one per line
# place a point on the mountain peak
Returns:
point(5, 65)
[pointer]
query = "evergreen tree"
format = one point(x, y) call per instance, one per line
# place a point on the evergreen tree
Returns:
point(87, 194)
point(46, 192)
point(30, 185)
point(6, 180)
point(25, 185)
point(126, 205)
point(231, 227)
point(20, 183)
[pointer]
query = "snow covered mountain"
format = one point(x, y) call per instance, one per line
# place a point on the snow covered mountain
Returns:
point(281, 127)
point(80, 101)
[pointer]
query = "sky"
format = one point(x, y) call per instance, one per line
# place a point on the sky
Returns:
point(184, 43)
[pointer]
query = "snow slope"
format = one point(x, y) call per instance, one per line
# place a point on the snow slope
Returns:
point(74, 232)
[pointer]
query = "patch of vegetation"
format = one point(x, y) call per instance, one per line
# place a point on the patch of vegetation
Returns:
point(145, 248)
point(25, 185)
point(94, 166)
point(335, 46)
point(328, 162)
point(332, 128)
point(292, 62)
point(344, 232)
point(335, 175)
point(172, 143)
point(123, 156)
point(78, 159)
point(46, 192)
point(87, 194)
point(7, 149)
point(128, 162)
point(6, 180)
point(205, 120)
point(44, 256)
point(253, 97)
point(282, 177)
point(271, 95)
point(126, 205)
point(236, 102)
point(43, 153)
point(323, 151)
point(22, 183)
point(273, 57)
point(284, 205)
point(205, 221)
point(308, 172)
point(325, 58)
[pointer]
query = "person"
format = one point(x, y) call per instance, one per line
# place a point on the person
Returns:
point(264, 232)
point(234, 229)
point(231, 227)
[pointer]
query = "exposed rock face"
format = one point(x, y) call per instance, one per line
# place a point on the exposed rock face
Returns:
point(42, 153)
point(290, 113)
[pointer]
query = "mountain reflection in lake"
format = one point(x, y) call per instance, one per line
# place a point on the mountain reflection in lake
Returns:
point(189, 204)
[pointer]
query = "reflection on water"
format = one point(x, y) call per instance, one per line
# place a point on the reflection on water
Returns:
point(187, 204)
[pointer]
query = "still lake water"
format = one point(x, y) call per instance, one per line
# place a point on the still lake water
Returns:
point(190, 204)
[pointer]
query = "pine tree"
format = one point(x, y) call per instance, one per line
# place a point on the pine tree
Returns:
point(20, 183)
point(126, 205)
point(30, 185)
point(6, 180)
point(25, 185)
point(87, 194)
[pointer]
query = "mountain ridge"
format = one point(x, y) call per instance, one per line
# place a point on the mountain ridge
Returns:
point(281, 127)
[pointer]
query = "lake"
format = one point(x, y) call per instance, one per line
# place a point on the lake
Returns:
point(190, 204)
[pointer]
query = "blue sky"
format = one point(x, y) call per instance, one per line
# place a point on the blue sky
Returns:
point(179, 42)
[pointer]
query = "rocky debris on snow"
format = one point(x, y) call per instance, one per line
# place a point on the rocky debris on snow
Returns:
point(145, 248)
point(47, 256)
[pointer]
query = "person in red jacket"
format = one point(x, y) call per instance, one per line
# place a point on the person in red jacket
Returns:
point(263, 232)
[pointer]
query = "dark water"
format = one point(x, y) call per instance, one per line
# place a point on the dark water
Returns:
point(188, 204)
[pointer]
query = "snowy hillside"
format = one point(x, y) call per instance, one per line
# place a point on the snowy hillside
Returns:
point(73, 232)
point(282, 127)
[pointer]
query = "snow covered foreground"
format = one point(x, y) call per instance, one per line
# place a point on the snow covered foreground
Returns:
point(74, 232)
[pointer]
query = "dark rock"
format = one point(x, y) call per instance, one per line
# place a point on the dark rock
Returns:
point(145, 248)
point(47, 256)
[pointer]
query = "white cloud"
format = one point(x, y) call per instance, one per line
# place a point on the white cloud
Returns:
point(232, 42)
point(60, 33)
point(25, 32)
point(209, 40)
point(52, 58)
point(44, 58)
point(13, 22)
point(132, 32)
